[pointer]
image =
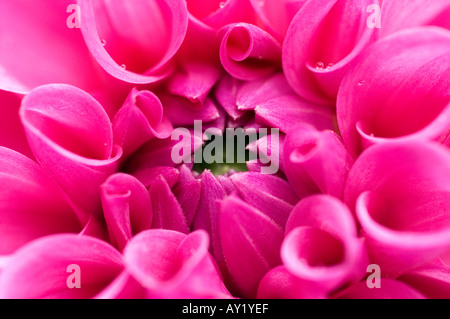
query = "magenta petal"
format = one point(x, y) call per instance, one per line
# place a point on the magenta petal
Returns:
point(194, 81)
point(134, 59)
point(71, 136)
point(279, 283)
point(308, 165)
point(31, 204)
point(188, 192)
point(382, 98)
point(269, 194)
point(38, 57)
point(268, 147)
point(139, 120)
point(390, 289)
point(251, 243)
point(147, 176)
point(172, 265)
point(432, 280)
point(285, 112)
point(225, 93)
point(277, 14)
point(41, 268)
point(247, 52)
point(402, 14)
point(321, 244)
point(167, 212)
point(124, 286)
point(182, 112)
point(126, 207)
point(321, 43)
point(401, 196)
point(206, 217)
point(251, 94)
point(12, 134)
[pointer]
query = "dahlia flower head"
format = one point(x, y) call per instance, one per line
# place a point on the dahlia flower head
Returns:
point(115, 181)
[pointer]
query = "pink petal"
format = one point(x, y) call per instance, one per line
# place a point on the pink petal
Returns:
point(390, 289)
point(188, 192)
point(225, 93)
point(139, 120)
point(44, 50)
point(269, 194)
point(12, 134)
point(247, 52)
point(71, 136)
point(181, 112)
point(31, 204)
point(253, 93)
point(277, 15)
point(403, 14)
point(147, 176)
point(134, 59)
point(216, 13)
point(194, 80)
point(167, 212)
point(432, 280)
point(126, 207)
point(40, 269)
point(250, 241)
point(206, 217)
point(400, 193)
point(279, 283)
point(172, 265)
point(268, 146)
point(285, 112)
point(321, 43)
point(308, 165)
point(382, 98)
point(321, 245)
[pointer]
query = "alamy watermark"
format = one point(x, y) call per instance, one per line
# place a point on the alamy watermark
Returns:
point(374, 20)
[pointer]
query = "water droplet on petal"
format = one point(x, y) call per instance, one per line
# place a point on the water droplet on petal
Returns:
point(362, 82)
point(319, 65)
point(330, 65)
point(103, 42)
point(222, 4)
point(123, 66)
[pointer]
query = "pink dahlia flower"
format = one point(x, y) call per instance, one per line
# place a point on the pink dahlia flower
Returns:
point(230, 149)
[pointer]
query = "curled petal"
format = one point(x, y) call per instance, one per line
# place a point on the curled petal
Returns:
point(107, 27)
point(321, 43)
point(174, 265)
point(71, 136)
point(321, 244)
point(247, 52)
point(382, 98)
point(31, 204)
point(285, 112)
point(225, 94)
point(269, 194)
point(44, 267)
point(250, 241)
point(401, 196)
point(126, 207)
point(308, 165)
point(139, 120)
point(167, 212)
